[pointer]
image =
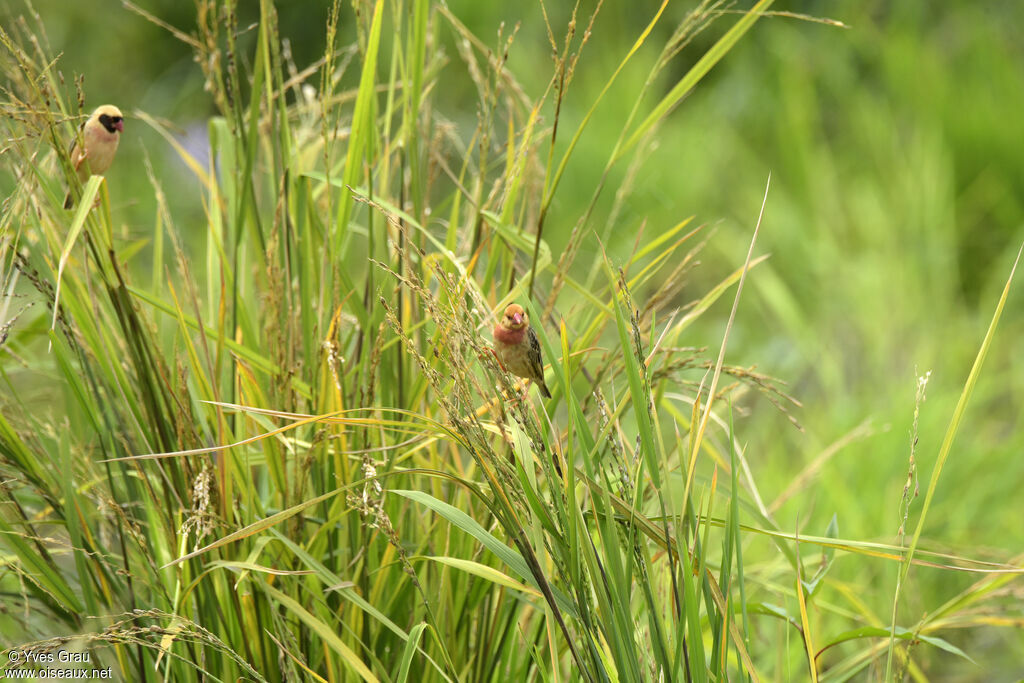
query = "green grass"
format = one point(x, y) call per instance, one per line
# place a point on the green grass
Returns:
point(271, 443)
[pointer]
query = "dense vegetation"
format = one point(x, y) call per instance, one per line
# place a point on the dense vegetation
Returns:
point(251, 428)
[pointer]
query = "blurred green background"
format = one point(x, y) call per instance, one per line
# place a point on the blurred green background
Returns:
point(896, 152)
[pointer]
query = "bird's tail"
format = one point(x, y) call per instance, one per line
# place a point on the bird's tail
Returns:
point(544, 389)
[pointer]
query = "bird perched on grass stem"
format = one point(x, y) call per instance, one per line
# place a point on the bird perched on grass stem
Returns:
point(94, 151)
point(517, 347)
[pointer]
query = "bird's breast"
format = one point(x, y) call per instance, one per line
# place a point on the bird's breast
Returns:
point(503, 335)
point(100, 149)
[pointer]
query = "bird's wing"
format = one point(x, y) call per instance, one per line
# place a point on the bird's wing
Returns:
point(533, 354)
point(75, 152)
